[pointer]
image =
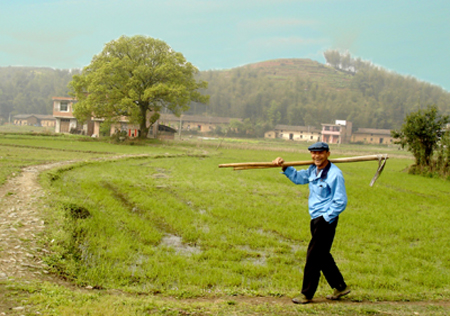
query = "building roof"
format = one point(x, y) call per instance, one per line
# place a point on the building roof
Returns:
point(297, 128)
point(45, 117)
point(23, 116)
point(373, 131)
point(164, 128)
point(197, 119)
point(38, 116)
point(64, 98)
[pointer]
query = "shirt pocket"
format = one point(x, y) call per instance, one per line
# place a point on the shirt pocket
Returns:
point(323, 190)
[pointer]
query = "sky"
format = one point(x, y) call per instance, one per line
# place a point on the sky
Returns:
point(408, 37)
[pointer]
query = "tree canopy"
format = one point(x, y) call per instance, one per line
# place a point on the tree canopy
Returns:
point(136, 77)
point(421, 134)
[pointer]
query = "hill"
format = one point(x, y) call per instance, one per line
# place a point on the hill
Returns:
point(304, 69)
point(306, 92)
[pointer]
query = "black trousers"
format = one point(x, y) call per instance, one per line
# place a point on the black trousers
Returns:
point(319, 258)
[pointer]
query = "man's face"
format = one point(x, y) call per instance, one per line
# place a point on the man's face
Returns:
point(320, 158)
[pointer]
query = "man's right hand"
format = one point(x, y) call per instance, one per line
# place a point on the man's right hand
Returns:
point(278, 161)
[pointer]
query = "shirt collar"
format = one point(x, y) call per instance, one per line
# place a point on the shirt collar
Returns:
point(324, 173)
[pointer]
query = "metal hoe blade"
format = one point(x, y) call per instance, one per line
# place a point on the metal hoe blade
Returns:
point(381, 163)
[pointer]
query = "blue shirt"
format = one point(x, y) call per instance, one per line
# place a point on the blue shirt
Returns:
point(327, 195)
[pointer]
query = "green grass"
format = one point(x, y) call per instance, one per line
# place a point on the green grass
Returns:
point(173, 234)
point(23, 129)
point(50, 299)
point(248, 231)
point(18, 150)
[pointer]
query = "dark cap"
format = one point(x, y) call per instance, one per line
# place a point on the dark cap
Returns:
point(320, 146)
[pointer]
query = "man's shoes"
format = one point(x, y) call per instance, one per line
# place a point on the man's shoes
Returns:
point(302, 299)
point(338, 294)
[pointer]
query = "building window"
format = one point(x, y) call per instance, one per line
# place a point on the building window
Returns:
point(64, 107)
point(311, 137)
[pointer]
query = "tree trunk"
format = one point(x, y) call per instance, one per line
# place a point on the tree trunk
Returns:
point(143, 124)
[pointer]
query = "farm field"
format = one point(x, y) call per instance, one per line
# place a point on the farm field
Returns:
point(159, 229)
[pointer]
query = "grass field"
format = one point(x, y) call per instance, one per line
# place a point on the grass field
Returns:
point(173, 234)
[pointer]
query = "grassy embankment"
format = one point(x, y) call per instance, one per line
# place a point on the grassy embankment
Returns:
point(158, 229)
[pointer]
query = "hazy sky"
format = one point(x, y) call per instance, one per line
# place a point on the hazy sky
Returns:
point(410, 37)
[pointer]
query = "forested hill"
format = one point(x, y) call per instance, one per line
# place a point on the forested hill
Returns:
point(29, 90)
point(308, 93)
point(282, 91)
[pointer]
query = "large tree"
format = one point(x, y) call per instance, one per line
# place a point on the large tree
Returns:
point(421, 133)
point(136, 77)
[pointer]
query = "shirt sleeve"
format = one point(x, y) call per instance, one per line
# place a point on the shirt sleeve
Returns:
point(298, 177)
point(339, 198)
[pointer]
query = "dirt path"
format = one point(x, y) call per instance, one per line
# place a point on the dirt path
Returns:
point(20, 222)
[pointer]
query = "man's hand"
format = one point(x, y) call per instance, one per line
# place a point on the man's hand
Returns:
point(278, 161)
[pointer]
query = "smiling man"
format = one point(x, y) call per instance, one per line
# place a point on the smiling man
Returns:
point(327, 199)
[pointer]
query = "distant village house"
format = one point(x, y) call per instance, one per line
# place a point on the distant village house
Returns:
point(296, 133)
point(338, 133)
point(372, 136)
point(65, 122)
point(34, 120)
point(201, 124)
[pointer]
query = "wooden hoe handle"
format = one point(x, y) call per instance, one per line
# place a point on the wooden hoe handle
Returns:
point(263, 165)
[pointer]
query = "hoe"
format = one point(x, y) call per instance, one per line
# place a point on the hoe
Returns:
point(262, 165)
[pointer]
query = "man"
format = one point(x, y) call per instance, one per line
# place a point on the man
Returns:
point(327, 199)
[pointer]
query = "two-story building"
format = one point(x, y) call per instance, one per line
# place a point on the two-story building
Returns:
point(65, 121)
point(338, 133)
